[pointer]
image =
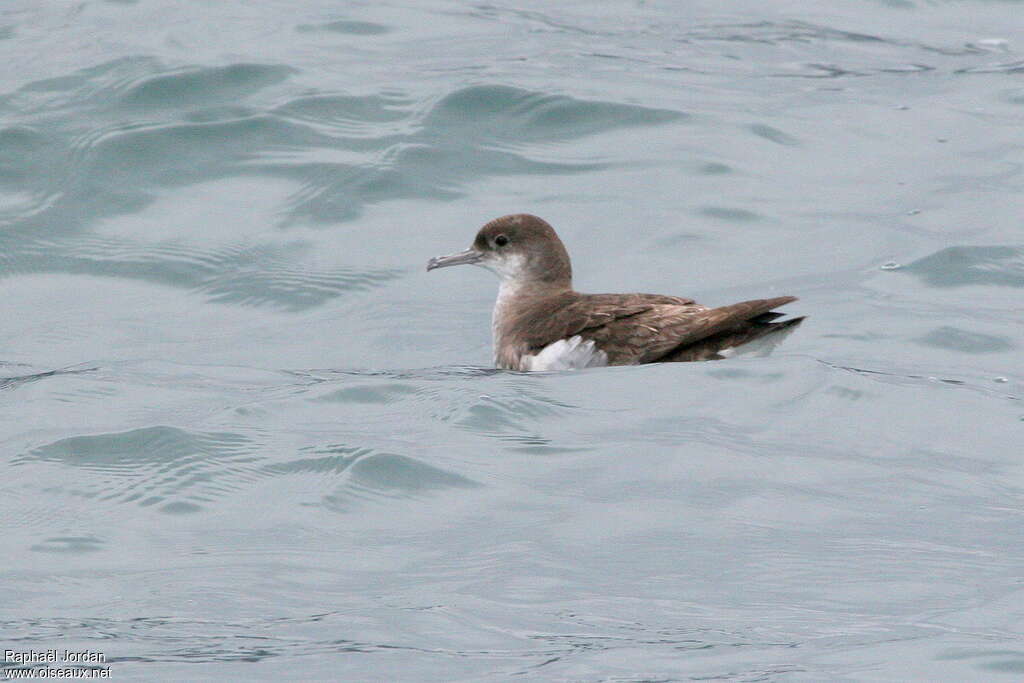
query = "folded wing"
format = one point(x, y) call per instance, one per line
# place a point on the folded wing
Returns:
point(662, 329)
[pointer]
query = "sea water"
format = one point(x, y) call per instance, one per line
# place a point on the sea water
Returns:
point(244, 435)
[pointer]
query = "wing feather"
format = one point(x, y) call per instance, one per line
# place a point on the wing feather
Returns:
point(635, 328)
point(650, 335)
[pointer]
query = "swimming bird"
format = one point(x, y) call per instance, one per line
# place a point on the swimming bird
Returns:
point(541, 323)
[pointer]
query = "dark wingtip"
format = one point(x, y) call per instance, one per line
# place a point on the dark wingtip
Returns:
point(791, 322)
point(766, 317)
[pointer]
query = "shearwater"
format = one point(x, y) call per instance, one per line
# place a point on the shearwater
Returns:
point(541, 323)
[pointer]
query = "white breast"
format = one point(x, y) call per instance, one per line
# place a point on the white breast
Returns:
point(566, 354)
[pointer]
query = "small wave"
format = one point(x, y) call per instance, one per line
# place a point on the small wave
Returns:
point(153, 129)
point(361, 116)
point(964, 265)
point(774, 33)
point(347, 27)
point(248, 275)
point(203, 86)
point(174, 469)
point(774, 135)
point(964, 341)
point(369, 393)
point(383, 476)
point(499, 112)
point(13, 382)
point(1015, 67)
point(69, 544)
point(465, 136)
point(352, 474)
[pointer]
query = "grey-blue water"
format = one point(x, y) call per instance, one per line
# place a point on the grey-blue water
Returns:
point(244, 435)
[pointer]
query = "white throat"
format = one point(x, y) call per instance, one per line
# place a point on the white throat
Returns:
point(508, 290)
point(509, 268)
point(510, 273)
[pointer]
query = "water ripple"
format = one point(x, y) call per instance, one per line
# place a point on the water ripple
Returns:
point(965, 341)
point(959, 266)
point(177, 470)
point(367, 475)
point(203, 86)
point(347, 27)
point(251, 275)
point(465, 136)
point(13, 382)
point(152, 130)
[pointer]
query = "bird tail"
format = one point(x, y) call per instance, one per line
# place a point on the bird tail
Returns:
point(751, 330)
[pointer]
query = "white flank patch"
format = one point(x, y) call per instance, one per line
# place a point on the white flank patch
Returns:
point(566, 354)
point(759, 348)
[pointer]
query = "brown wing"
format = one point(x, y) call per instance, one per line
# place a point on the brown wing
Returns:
point(663, 329)
point(570, 314)
point(711, 348)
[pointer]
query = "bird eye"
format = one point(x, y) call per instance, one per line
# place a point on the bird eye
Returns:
point(501, 240)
